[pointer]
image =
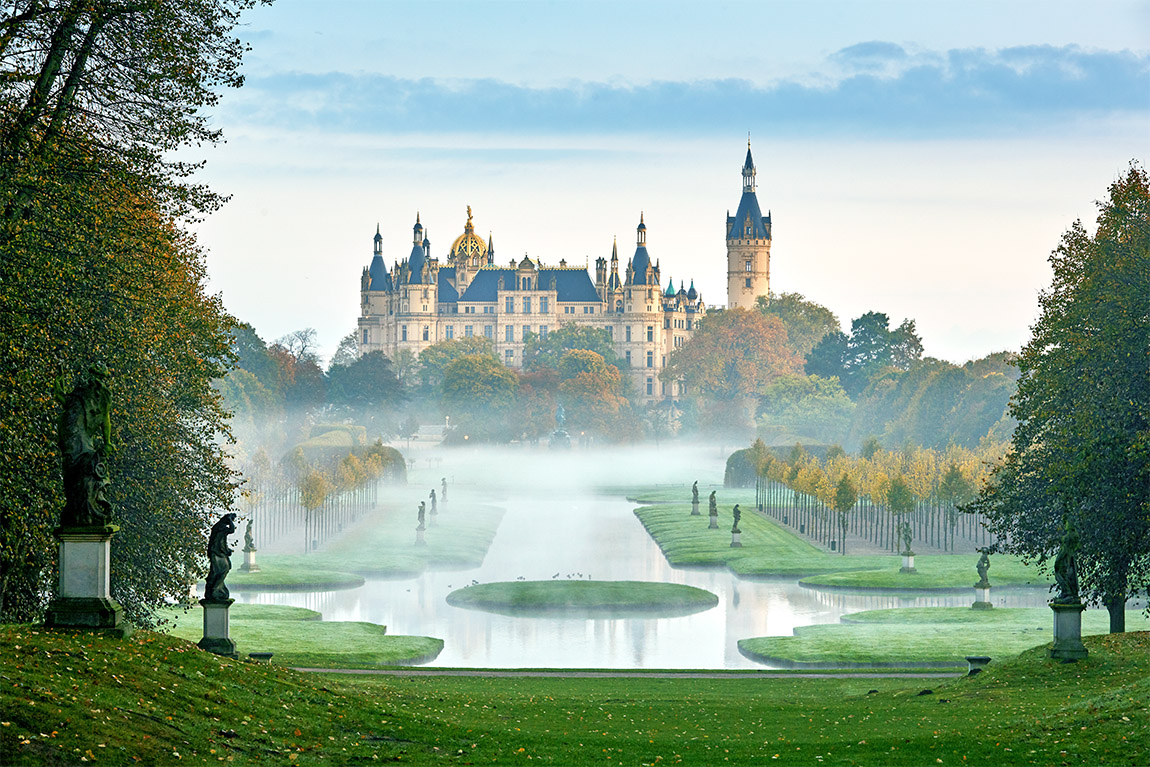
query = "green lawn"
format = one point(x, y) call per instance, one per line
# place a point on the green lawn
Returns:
point(299, 638)
point(771, 550)
point(282, 576)
point(725, 497)
point(584, 598)
point(924, 636)
point(156, 699)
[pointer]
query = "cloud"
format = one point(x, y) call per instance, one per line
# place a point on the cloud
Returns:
point(880, 89)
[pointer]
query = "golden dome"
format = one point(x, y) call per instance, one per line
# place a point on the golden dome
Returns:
point(468, 247)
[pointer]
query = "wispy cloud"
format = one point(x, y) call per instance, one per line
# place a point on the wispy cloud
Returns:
point(875, 88)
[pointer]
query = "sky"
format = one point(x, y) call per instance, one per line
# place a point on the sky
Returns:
point(918, 159)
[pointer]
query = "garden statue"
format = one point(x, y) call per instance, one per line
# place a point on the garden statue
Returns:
point(560, 418)
point(85, 440)
point(713, 506)
point(433, 511)
point(905, 534)
point(443, 489)
point(983, 567)
point(738, 515)
point(695, 492)
point(422, 512)
point(249, 542)
point(1065, 569)
point(219, 559)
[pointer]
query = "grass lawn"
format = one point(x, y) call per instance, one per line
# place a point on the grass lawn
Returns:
point(282, 577)
point(725, 497)
point(924, 636)
point(584, 598)
point(383, 545)
point(156, 699)
point(299, 638)
point(770, 550)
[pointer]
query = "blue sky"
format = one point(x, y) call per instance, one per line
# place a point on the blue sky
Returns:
point(920, 159)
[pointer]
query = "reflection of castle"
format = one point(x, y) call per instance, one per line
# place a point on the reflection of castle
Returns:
point(419, 301)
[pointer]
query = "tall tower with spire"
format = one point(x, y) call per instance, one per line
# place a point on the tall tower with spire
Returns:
point(748, 245)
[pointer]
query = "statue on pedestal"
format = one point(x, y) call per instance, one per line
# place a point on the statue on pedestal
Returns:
point(249, 542)
point(84, 437)
point(443, 489)
point(905, 535)
point(738, 515)
point(983, 567)
point(219, 559)
point(713, 505)
point(1065, 569)
point(433, 511)
point(695, 492)
point(422, 516)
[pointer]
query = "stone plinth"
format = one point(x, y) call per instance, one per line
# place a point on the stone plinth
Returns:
point(84, 600)
point(216, 639)
point(1068, 646)
point(249, 565)
point(981, 598)
point(976, 663)
point(714, 523)
point(907, 564)
point(419, 538)
point(735, 540)
point(695, 509)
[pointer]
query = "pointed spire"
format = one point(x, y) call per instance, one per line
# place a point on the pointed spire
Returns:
point(615, 249)
point(417, 231)
point(749, 171)
point(641, 232)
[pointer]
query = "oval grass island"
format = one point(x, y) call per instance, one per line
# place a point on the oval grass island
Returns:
point(611, 599)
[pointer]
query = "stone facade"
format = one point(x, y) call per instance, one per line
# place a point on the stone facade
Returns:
point(748, 246)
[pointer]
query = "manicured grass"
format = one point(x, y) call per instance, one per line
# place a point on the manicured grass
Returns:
point(928, 636)
point(590, 598)
point(299, 638)
point(67, 697)
point(771, 550)
point(284, 577)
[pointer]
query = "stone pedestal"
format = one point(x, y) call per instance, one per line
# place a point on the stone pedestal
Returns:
point(714, 524)
point(216, 639)
point(84, 600)
point(1068, 646)
point(695, 509)
point(735, 542)
point(981, 598)
point(976, 663)
point(419, 538)
point(249, 565)
point(907, 564)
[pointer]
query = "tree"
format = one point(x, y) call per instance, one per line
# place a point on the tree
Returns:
point(1081, 453)
point(812, 407)
point(545, 352)
point(806, 322)
point(846, 496)
point(434, 360)
point(731, 358)
point(367, 388)
point(591, 390)
point(872, 347)
point(346, 352)
point(478, 392)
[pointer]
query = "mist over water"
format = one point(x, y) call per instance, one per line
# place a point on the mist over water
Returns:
point(566, 517)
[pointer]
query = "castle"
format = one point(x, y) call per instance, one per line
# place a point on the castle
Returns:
point(420, 302)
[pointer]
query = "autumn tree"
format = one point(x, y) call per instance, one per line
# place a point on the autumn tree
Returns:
point(806, 322)
point(478, 393)
point(846, 496)
point(591, 390)
point(366, 389)
point(435, 359)
point(1081, 452)
point(545, 352)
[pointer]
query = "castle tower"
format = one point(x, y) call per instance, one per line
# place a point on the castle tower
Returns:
point(748, 246)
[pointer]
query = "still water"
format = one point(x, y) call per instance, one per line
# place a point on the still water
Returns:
point(578, 534)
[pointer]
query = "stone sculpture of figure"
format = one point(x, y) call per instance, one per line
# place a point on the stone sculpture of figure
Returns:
point(713, 505)
point(249, 542)
point(560, 418)
point(443, 489)
point(1065, 569)
point(422, 513)
point(905, 534)
point(983, 567)
point(738, 515)
point(433, 500)
point(695, 492)
point(85, 440)
point(219, 559)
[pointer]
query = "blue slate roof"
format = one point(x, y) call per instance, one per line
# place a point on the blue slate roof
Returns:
point(749, 209)
point(378, 276)
point(485, 285)
point(415, 263)
point(639, 263)
point(568, 284)
point(447, 292)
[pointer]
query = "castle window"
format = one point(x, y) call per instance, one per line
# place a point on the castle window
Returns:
point(526, 331)
point(628, 333)
point(747, 282)
point(544, 304)
point(509, 355)
point(489, 310)
point(449, 333)
point(542, 331)
point(650, 361)
point(663, 388)
point(403, 333)
point(650, 332)
point(467, 331)
point(426, 332)
point(619, 307)
point(509, 305)
point(627, 356)
point(508, 333)
point(611, 332)
point(568, 309)
point(527, 306)
point(746, 266)
point(650, 386)
point(588, 309)
point(365, 335)
point(488, 331)
point(666, 323)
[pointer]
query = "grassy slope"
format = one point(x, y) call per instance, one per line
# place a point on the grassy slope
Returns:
point(771, 550)
point(299, 638)
point(65, 698)
point(927, 635)
point(526, 597)
point(280, 577)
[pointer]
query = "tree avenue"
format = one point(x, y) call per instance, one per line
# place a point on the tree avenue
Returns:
point(1081, 453)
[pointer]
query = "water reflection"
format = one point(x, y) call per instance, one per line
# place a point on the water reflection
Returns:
point(600, 537)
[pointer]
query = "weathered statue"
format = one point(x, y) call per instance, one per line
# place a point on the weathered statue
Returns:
point(983, 567)
point(695, 492)
point(1065, 569)
point(905, 534)
point(443, 489)
point(249, 542)
point(738, 515)
point(713, 505)
point(219, 559)
point(422, 515)
point(560, 418)
point(85, 440)
point(433, 500)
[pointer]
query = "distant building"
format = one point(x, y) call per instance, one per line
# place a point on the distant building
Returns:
point(420, 301)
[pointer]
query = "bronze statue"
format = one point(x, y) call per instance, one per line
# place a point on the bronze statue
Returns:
point(443, 489)
point(713, 505)
point(1065, 569)
point(738, 515)
point(433, 501)
point(249, 542)
point(85, 440)
point(219, 559)
point(905, 534)
point(695, 492)
point(983, 567)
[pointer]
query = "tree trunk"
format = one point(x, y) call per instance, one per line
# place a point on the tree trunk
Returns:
point(1117, 609)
